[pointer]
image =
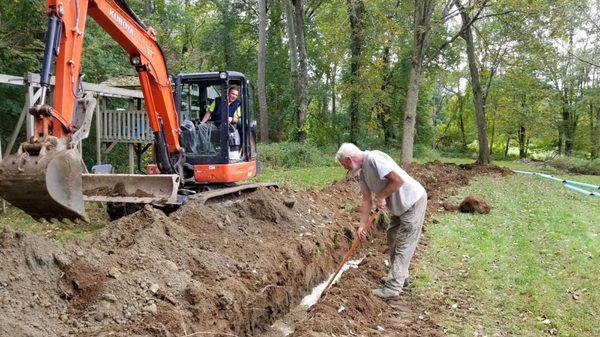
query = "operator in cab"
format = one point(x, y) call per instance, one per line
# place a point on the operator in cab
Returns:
point(233, 108)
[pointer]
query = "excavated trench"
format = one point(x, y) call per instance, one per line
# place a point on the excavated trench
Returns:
point(232, 267)
point(225, 269)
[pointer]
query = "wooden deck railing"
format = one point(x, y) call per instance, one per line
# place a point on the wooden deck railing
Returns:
point(125, 126)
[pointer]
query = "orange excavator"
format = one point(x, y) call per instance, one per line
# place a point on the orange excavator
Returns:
point(194, 157)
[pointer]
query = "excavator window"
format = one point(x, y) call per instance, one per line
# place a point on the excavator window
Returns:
point(211, 138)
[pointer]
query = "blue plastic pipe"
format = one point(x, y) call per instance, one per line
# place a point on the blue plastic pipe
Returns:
point(568, 183)
point(582, 191)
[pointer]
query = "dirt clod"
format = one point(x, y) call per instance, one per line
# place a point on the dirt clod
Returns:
point(470, 204)
point(289, 203)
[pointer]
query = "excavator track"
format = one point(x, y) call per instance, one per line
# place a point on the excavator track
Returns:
point(203, 197)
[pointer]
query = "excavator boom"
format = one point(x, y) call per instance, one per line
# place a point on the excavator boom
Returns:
point(44, 177)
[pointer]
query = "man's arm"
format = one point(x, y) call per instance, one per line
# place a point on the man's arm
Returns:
point(209, 113)
point(394, 183)
point(365, 210)
point(236, 115)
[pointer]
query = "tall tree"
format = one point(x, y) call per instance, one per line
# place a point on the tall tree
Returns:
point(356, 11)
point(478, 99)
point(262, 93)
point(303, 75)
point(422, 24)
point(291, 34)
point(595, 130)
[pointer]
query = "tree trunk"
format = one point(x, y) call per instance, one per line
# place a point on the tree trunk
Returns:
point(495, 106)
point(148, 7)
point(383, 105)
point(521, 133)
point(463, 135)
point(289, 20)
point(568, 136)
point(438, 102)
point(461, 123)
point(355, 14)
point(559, 149)
point(506, 147)
point(595, 132)
point(303, 75)
point(334, 119)
point(467, 35)
point(227, 24)
point(262, 94)
point(522, 137)
point(422, 19)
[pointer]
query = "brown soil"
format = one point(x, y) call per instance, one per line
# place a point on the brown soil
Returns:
point(470, 204)
point(225, 268)
point(118, 190)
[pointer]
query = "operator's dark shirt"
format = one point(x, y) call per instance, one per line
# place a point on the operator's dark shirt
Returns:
point(216, 111)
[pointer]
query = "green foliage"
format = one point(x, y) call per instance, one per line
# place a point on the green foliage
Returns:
point(293, 155)
point(576, 165)
point(520, 39)
point(426, 153)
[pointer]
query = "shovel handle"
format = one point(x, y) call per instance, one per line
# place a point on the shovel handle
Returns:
point(352, 249)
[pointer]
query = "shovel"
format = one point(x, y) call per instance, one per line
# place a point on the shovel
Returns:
point(352, 249)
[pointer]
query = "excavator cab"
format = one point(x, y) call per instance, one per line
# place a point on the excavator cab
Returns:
point(217, 133)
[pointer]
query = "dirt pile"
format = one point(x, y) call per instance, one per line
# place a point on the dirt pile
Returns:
point(225, 268)
point(470, 204)
point(231, 266)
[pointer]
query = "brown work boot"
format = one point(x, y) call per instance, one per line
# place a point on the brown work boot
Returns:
point(386, 293)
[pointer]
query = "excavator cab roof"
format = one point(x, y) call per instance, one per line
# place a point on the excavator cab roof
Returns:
point(213, 75)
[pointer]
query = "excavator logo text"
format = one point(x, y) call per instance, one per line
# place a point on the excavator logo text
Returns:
point(121, 21)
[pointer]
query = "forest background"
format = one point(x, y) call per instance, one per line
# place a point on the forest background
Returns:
point(479, 78)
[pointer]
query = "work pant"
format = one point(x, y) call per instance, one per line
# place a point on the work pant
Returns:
point(402, 236)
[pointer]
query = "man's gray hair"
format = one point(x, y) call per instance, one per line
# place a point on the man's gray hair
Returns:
point(347, 150)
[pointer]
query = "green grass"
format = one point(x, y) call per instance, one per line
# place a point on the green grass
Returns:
point(63, 232)
point(517, 270)
point(302, 178)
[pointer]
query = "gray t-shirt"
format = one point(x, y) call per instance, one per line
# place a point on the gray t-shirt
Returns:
point(375, 167)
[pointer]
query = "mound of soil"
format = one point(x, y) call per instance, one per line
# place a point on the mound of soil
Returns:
point(470, 204)
point(231, 267)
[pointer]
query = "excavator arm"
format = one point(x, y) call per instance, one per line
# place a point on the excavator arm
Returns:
point(44, 177)
point(66, 30)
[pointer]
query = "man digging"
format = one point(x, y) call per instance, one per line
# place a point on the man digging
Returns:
point(384, 181)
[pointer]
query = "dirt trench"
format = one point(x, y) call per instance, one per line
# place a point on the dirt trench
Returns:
point(230, 268)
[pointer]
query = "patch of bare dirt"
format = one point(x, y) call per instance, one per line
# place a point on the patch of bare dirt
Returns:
point(223, 268)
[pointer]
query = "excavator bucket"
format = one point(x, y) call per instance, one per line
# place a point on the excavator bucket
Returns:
point(44, 180)
point(131, 188)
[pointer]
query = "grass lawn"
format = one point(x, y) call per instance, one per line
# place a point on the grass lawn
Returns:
point(301, 178)
point(528, 268)
point(19, 221)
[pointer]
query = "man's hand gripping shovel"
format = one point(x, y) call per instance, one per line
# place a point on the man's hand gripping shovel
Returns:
point(353, 248)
